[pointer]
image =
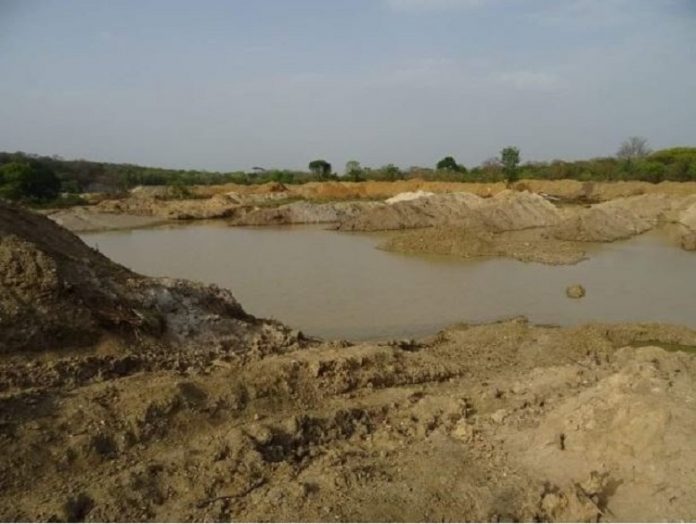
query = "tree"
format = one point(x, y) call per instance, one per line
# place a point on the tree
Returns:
point(21, 180)
point(320, 168)
point(510, 158)
point(391, 172)
point(448, 164)
point(353, 171)
point(633, 148)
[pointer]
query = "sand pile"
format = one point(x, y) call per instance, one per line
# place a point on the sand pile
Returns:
point(303, 212)
point(409, 195)
point(507, 210)
point(510, 210)
point(218, 206)
point(620, 435)
point(616, 219)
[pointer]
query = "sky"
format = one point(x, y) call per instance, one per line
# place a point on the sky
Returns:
point(228, 85)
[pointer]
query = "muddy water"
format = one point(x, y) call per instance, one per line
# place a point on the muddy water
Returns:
point(337, 285)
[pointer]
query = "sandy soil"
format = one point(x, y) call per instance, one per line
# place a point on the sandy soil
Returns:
point(131, 398)
point(529, 245)
point(81, 220)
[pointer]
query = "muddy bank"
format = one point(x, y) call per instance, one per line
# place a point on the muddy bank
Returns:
point(530, 245)
point(129, 398)
point(81, 220)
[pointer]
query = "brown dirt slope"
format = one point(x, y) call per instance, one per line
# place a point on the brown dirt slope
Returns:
point(56, 292)
point(505, 211)
point(303, 212)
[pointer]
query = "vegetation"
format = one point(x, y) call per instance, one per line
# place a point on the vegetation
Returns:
point(450, 164)
point(353, 171)
point(321, 168)
point(22, 181)
point(40, 180)
point(634, 148)
point(510, 159)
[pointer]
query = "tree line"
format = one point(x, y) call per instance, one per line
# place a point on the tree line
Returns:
point(40, 179)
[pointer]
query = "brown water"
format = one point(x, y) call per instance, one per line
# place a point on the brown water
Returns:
point(337, 285)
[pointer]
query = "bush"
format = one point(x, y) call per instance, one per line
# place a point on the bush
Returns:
point(22, 181)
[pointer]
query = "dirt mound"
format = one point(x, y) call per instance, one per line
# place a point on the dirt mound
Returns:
point(303, 213)
point(217, 206)
point(498, 422)
point(55, 292)
point(619, 437)
point(511, 210)
point(409, 195)
point(417, 213)
point(506, 211)
point(615, 219)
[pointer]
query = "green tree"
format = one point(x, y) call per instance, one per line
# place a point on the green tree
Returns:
point(22, 181)
point(353, 171)
point(321, 168)
point(448, 164)
point(510, 158)
point(391, 172)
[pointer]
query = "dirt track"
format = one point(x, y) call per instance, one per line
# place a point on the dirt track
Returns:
point(131, 398)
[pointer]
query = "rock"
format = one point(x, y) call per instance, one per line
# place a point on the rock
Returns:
point(575, 291)
point(688, 241)
point(499, 416)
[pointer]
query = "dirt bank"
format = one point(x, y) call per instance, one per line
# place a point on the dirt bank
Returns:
point(506, 211)
point(530, 245)
point(568, 190)
point(56, 292)
point(84, 219)
point(129, 398)
point(303, 212)
point(618, 219)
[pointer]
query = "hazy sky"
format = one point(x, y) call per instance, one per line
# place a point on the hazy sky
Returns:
point(228, 85)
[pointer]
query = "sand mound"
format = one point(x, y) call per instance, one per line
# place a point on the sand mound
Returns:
point(303, 213)
point(616, 440)
point(511, 210)
point(506, 211)
point(409, 195)
point(615, 219)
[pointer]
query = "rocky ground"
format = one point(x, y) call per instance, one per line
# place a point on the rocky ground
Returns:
point(130, 398)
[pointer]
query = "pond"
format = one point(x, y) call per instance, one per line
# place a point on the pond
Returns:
point(338, 285)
